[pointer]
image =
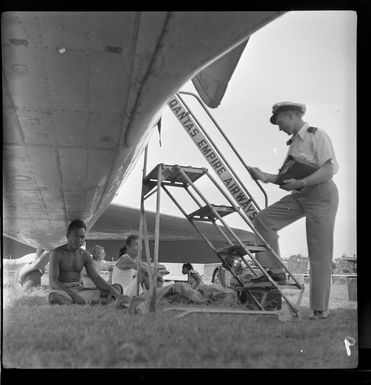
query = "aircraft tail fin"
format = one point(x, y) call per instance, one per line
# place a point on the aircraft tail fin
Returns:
point(211, 83)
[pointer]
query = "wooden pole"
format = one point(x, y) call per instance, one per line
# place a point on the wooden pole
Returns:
point(143, 229)
point(139, 255)
point(157, 236)
point(146, 240)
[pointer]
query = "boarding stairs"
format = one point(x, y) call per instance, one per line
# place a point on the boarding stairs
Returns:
point(168, 177)
point(239, 200)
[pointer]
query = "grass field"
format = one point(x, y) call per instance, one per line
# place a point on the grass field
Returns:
point(37, 335)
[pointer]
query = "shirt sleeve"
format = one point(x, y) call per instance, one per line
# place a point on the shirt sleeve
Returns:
point(323, 149)
point(125, 262)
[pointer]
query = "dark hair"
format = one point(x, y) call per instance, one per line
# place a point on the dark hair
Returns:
point(76, 224)
point(129, 241)
point(122, 251)
point(188, 266)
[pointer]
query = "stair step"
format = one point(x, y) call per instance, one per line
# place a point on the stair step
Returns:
point(251, 285)
point(171, 176)
point(207, 214)
point(171, 173)
point(239, 251)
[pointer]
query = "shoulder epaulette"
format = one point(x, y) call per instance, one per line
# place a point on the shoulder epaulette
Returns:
point(312, 130)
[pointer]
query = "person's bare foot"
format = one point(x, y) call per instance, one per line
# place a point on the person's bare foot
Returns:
point(122, 302)
point(56, 299)
point(101, 301)
point(136, 305)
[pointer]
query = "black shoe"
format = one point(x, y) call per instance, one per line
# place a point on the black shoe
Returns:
point(279, 278)
point(319, 314)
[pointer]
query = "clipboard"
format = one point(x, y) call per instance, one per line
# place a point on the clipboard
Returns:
point(293, 169)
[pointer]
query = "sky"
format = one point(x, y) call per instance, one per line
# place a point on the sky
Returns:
point(305, 57)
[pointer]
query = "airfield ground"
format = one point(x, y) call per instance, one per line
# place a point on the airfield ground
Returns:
point(37, 335)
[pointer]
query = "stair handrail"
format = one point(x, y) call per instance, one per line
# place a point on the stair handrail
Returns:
point(218, 152)
point(226, 138)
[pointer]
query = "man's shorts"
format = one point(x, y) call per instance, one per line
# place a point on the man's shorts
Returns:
point(89, 295)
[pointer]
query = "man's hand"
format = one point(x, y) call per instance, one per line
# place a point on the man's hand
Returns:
point(258, 174)
point(77, 299)
point(292, 184)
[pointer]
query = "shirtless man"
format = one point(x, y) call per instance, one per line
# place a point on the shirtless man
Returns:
point(65, 265)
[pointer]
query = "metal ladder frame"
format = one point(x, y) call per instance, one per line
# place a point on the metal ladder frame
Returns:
point(155, 185)
point(178, 99)
point(236, 208)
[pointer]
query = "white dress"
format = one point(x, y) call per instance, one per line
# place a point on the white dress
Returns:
point(126, 278)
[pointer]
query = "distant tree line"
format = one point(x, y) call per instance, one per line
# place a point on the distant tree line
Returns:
point(299, 264)
point(344, 266)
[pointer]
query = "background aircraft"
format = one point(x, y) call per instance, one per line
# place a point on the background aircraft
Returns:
point(82, 92)
point(179, 242)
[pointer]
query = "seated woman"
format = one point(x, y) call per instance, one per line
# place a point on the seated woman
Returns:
point(125, 270)
point(194, 278)
point(98, 253)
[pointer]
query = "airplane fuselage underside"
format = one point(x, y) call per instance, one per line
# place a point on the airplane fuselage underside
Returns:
point(81, 93)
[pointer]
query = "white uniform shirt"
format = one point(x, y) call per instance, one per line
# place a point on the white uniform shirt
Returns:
point(313, 148)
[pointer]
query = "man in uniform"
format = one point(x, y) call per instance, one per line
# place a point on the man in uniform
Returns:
point(314, 196)
point(65, 265)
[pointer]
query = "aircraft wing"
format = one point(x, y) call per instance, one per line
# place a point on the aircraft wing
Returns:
point(179, 241)
point(118, 221)
point(82, 92)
